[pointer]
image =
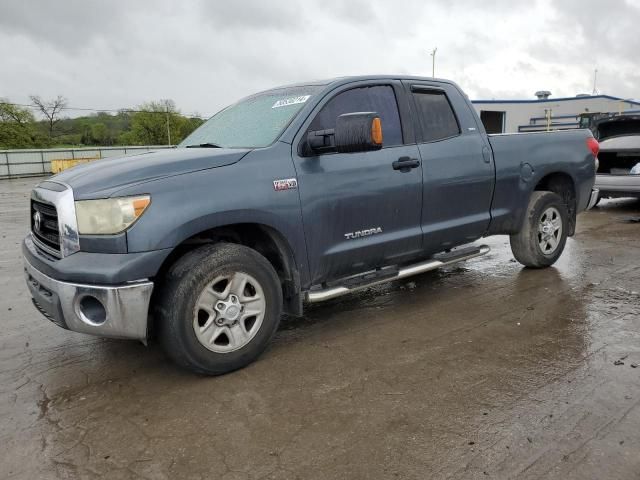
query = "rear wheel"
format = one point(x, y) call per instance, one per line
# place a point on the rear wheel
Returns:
point(220, 305)
point(543, 236)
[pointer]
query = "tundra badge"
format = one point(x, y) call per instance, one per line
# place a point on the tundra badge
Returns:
point(363, 233)
point(285, 184)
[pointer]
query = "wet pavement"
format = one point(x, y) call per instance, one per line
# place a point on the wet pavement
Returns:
point(481, 370)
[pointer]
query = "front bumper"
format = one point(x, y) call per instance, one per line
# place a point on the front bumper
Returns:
point(109, 311)
point(593, 199)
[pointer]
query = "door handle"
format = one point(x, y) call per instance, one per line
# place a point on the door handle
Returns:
point(404, 164)
point(486, 155)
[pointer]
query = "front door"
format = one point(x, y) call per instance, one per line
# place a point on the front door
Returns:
point(358, 211)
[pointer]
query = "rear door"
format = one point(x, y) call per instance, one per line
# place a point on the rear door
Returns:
point(358, 211)
point(457, 165)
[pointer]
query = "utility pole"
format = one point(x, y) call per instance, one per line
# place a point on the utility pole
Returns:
point(433, 61)
point(168, 127)
point(595, 82)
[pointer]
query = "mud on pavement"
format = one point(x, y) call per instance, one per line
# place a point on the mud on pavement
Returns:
point(482, 370)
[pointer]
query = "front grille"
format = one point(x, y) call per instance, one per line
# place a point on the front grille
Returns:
point(46, 230)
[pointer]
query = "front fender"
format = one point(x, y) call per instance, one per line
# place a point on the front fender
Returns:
point(186, 205)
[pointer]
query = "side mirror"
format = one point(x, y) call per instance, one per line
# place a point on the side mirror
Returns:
point(354, 132)
point(358, 132)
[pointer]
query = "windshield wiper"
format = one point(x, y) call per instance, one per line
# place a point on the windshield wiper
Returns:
point(204, 145)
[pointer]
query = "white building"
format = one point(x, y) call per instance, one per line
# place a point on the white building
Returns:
point(544, 113)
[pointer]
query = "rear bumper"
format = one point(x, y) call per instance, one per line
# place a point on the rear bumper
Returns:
point(108, 311)
point(593, 199)
point(618, 184)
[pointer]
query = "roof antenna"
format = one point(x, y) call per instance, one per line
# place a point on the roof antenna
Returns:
point(595, 82)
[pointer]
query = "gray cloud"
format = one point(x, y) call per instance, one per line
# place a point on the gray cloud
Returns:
point(596, 35)
point(284, 15)
point(605, 29)
point(69, 25)
point(206, 54)
point(252, 14)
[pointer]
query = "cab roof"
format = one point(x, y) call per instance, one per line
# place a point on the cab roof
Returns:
point(336, 81)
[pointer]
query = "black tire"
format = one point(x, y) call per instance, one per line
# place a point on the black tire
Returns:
point(180, 290)
point(525, 244)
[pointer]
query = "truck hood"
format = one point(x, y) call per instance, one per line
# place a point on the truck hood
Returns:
point(103, 178)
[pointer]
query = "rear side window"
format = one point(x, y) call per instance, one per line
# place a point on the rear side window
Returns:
point(379, 99)
point(436, 116)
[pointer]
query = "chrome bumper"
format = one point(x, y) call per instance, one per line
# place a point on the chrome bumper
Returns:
point(108, 311)
point(618, 184)
point(593, 199)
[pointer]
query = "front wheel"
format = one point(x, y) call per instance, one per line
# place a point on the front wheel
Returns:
point(218, 308)
point(543, 236)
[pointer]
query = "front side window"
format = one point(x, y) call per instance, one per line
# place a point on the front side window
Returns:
point(254, 122)
point(380, 99)
point(436, 116)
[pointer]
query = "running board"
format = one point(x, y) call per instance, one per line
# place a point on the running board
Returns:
point(437, 261)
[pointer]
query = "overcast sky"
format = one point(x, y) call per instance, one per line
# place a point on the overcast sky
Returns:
point(206, 54)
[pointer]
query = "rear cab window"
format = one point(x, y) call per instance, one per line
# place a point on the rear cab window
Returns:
point(436, 118)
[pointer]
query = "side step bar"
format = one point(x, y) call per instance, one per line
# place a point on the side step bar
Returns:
point(437, 261)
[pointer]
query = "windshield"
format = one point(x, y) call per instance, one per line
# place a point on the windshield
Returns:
point(254, 122)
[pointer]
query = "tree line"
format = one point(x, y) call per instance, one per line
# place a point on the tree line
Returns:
point(152, 123)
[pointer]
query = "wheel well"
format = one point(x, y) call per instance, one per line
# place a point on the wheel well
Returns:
point(265, 240)
point(563, 185)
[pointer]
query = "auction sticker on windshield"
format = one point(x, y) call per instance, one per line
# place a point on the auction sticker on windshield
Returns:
point(285, 102)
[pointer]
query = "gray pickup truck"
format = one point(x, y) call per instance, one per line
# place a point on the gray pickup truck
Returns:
point(296, 194)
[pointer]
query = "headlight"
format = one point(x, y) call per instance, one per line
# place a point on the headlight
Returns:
point(111, 215)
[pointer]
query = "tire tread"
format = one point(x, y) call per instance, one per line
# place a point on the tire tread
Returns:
point(524, 244)
point(185, 277)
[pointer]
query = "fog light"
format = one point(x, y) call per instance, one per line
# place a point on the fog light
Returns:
point(92, 310)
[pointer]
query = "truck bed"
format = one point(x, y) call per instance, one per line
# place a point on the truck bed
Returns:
point(522, 159)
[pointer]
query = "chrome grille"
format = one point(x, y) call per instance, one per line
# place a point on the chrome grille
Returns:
point(44, 225)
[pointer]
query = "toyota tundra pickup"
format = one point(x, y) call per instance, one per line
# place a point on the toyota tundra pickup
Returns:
point(297, 194)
